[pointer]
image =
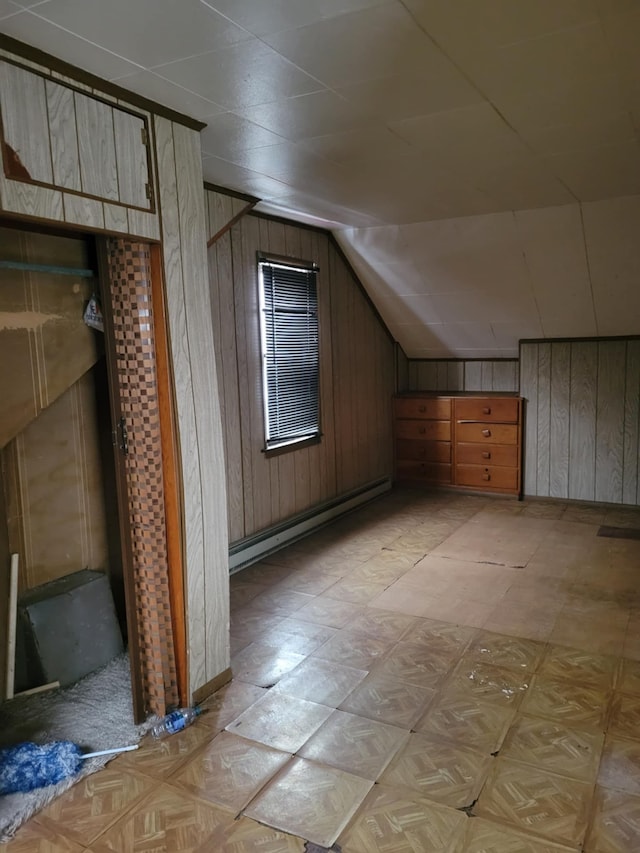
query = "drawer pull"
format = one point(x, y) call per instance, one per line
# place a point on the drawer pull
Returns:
point(486, 433)
point(422, 408)
point(486, 410)
point(486, 476)
point(486, 454)
point(422, 430)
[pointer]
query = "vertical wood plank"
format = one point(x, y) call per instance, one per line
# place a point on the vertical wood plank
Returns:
point(403, 377)
point(529, 391)
point(96, 147)
point(185, 403)
point(25, 123)
point(631, 418)
point(442, 375)
point(64, 136)
point(559, 409)
point(427, 376)
point(610, 420)
point(207, 410)
point(131, 159)
point(582, 429)
point(505, 375)
point(455, 375)
point(544, 418)
point(472, 376)
point(487, 375)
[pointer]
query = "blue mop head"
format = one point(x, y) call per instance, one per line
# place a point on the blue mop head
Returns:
point(29, 765)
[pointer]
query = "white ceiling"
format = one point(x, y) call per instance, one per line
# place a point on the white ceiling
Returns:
point(380, 117)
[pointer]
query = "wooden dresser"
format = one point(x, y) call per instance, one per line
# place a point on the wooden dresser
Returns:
point(472, 441)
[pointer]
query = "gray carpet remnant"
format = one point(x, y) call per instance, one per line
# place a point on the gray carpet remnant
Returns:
point(96, 713)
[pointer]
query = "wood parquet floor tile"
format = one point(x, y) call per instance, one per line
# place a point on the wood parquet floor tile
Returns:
point(230, 771)
point(629, 681)
point(390, 822)
point(355, 649)
point(441, 635)
point(161, 758)
point(536, 801)
point(88, 808)
point(228, 703)
point(166, 822)
point(310, 801)
point(488, 683)
point(553, 746)
point(247, 836)
point(326, 682)
point(263, 665)
point(33, 838)
point(389, 701)
point(438, 770)
point(414, 662)
point(355, 744)
point(615, 826)
point(567, 702)
point(589, 669)
point(480, 725)
point(484, 836)
point(625, 716)
point(280, 721)
point(620, 765)
point(506, 652)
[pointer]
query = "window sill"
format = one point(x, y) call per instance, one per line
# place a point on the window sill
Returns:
point(291, 446)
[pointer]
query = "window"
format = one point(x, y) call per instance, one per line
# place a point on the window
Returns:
point(290, 361)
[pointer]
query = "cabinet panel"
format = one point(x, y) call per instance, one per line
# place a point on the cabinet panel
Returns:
point(427, 451)
point(481, 454)
point(487, 433)
point(409, 407)
point(431, 472)
point(491, 477)
point(488, 410)
point(433, 430)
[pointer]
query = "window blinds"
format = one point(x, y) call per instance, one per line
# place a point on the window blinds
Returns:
point(289, 303)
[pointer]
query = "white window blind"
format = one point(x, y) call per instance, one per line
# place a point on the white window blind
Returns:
point(289, 321)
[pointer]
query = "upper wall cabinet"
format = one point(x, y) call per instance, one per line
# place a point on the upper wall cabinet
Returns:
point(56, 136)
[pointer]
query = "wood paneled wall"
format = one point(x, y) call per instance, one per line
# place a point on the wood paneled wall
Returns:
point(54, 493)
point(201, 443)
point(582, 419)
point(356, 380)
point(176, 175)
point(459, 375)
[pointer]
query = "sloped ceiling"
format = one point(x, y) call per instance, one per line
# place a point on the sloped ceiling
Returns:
point(462, 150)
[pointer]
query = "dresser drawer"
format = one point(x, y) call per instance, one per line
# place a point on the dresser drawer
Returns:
point(489, 477)
point(428, 472)
point(489, 410)
point(487, 433)
point(410, 407)
point(425, 451)
point(482, 454)
point(434, 430)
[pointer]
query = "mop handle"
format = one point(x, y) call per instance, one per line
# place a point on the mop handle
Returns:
point(108, 751)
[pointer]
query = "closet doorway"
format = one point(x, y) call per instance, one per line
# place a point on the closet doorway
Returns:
point(88, 442)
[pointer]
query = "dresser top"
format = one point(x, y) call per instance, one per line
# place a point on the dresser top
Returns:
point(434, 395)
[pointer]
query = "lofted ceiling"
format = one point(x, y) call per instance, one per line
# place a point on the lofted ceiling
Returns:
point(478, 160)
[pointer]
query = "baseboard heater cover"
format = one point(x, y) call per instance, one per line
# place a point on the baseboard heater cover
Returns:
point(254, 548)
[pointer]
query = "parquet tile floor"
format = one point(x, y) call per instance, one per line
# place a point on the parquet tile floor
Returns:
point(435, 672)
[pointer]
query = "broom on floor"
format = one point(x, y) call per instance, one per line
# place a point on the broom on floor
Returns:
point(28, 766)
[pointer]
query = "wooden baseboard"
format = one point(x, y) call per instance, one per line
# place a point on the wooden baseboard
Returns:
point(210, 687)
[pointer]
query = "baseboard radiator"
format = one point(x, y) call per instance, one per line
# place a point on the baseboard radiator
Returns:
point(254, 548)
